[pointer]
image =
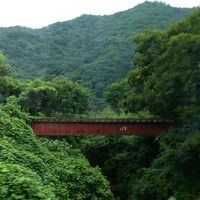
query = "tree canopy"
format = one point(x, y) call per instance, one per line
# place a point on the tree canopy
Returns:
point(58, 97)
point(166, 78)
point(164, 84)
point(94, 50)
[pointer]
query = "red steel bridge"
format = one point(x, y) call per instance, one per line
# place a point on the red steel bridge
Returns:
point(100, 127)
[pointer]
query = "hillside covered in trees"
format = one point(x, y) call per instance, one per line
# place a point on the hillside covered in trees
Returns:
point(93, 50)
point(37, 168)
point(164, 83)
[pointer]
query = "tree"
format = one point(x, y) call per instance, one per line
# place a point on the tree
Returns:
point(9, 85)
point(59, 167)
point(72, 98)
point(58, 97)
point(5, 68)
point(38, 98)
point(19, 183)
point(165, 82)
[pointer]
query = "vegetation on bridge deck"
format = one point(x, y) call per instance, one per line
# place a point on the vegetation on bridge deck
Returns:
point(99, 120)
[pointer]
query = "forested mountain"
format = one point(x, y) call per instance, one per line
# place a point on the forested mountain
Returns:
point(94, 50)
point(165, 80)
point(165, 83)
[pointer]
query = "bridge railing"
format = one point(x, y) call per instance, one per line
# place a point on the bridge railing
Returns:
point(100, 126)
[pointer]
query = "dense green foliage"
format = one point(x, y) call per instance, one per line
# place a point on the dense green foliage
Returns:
point(17, 182)
point(58, 97)
point(174, 172)
point(58, 165)
point(94, 50)
point(60, 169)
point(143, 168)
point(120, 158)
point(166, 80)
point(165, 83)
point(34, 168)
point(9, 86)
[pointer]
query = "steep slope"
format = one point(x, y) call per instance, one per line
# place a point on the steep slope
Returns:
point(94, 50)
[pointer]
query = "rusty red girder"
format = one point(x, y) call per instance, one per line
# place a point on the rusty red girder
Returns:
point(100, 127)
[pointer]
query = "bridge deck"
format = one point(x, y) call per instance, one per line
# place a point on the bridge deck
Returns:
point(100, 127)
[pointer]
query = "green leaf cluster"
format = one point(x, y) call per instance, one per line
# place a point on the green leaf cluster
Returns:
point(165, 83)
point(94, 50)
point(18, 182)
point(33, 164)
point(166, 78)
point(58, 97)
point(39, 168)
